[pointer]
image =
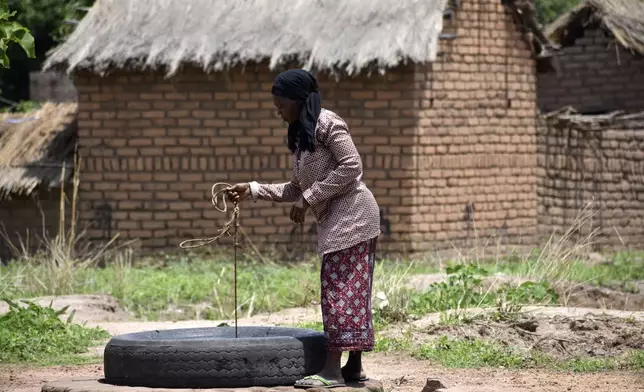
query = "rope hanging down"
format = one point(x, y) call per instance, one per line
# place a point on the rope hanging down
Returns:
point(233, 223)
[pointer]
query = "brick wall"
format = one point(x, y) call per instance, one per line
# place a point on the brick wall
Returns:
point(603, 166)
point(154, 147)
point(597, 75)
point(435, 145)
point(27, 220)
point(477, 138)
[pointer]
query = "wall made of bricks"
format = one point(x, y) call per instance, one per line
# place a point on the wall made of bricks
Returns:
point(603, 168)
point(597, 75)
point(153, 148)
point(476, 160)
point(26, 220)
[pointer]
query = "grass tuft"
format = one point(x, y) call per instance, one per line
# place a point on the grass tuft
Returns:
point(476, 353)
point(399, 344)
point(462, 290)
point(314, 325)
point(469, 354)
point(36, 334)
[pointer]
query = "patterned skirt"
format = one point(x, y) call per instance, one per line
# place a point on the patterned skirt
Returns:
point(346, 278)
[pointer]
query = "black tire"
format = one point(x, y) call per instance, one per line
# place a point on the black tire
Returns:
point(214, 358)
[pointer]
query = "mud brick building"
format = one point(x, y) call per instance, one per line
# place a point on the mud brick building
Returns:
point(440, 99)
point(36, 158)
point(592, 178)
point(601, 64)
point(591, 148)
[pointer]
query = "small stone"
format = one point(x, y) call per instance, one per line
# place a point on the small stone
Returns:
point(529, 325)
point(596, 258)
point(433, 385)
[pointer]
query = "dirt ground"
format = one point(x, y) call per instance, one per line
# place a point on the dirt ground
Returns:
point(398, 374)
point(559, 336)
point(590, 330)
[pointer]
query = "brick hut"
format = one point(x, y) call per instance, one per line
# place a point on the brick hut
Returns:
point(36, 159)
point(174, 96)
point(601, 64)
point(591, 144)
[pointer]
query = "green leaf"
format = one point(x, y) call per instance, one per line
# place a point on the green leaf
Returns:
point(23, 37)
point(6, 15)
point(28, 44)
point(61, 311)
point(71, 316)
point(12, 305)
point(12, 31)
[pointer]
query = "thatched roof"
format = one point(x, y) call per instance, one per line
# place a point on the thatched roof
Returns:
point(568, 117)
point(35, 146)
point(215, 34)
point(624, 19)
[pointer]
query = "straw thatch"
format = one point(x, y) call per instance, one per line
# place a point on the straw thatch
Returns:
point(624, 19)
point(346, 35)
point(567, 117)
point(35, 146)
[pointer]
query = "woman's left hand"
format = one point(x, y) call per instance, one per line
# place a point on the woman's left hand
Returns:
point(298, 211)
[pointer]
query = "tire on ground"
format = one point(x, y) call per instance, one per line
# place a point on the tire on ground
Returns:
point(214, 358)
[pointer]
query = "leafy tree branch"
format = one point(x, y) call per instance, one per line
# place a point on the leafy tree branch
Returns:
point(12, 32)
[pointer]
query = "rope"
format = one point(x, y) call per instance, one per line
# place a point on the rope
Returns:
point(232, 223)
point(227, 226)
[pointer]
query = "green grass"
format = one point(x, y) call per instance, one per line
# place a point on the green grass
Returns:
point(314, 325)
point(461, 291)
point(475, 353)
point(35, 334)
point(149, 290)
point(623, 267)
point(387, 344)
point(468, 354)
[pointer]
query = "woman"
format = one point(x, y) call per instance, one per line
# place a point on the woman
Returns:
point(327, 178)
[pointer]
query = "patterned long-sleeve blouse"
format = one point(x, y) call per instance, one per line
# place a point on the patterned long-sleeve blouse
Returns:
point(330, 180)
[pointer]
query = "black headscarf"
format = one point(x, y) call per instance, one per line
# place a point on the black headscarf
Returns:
point(299, 85)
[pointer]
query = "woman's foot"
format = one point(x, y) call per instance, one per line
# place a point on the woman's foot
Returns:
point(320, 381)
point(353, 371)
point(351, 375)
point(329, 377)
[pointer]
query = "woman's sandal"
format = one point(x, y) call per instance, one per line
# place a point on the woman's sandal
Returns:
point(318, 382)
point(354, 379)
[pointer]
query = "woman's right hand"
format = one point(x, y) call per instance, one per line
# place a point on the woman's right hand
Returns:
point(238, 192)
